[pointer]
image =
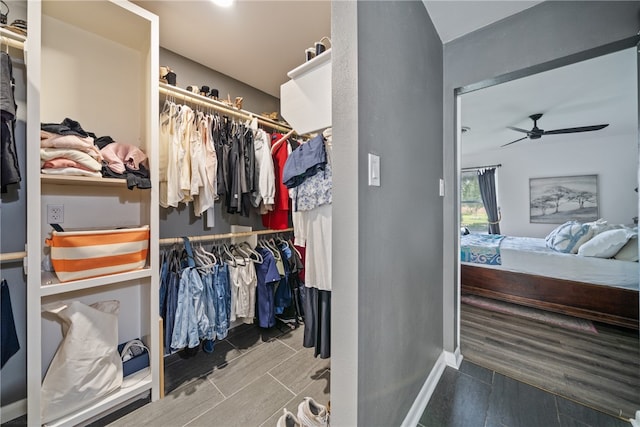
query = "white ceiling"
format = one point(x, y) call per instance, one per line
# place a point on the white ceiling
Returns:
point(453, 18)
point(259, 41)
point(597, 91)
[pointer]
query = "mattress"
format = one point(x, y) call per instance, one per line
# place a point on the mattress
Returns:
point(531, 255)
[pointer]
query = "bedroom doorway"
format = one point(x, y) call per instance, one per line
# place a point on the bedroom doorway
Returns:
point(504, 125)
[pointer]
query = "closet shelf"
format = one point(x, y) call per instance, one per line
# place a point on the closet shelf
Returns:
point(82, 180)
point(52, 286)
point(310, 65)
point(132, 386)
point(187, 96)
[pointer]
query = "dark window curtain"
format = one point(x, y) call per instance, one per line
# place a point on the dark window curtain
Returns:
point(487, 183)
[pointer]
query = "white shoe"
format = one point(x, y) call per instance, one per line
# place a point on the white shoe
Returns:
point(312, 414)
point(287, 419)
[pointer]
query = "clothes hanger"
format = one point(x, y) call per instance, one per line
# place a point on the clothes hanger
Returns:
point(239, 251)
point(221, 255)
point(230, 259)
point(274, 249)
point(253, 255)
point(293, 248)
point(264, 245)
point(209, 257)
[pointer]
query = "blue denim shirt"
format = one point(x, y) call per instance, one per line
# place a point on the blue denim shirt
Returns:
point(304, 161)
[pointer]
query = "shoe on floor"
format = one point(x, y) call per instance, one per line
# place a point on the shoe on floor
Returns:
point(287, 419)
point(312, 413)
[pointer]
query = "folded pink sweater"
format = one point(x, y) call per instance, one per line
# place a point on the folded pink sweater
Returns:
point(118, 154)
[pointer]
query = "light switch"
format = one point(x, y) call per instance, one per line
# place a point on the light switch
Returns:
point(374, 170)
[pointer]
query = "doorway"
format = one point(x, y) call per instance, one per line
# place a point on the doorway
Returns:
point(574, 95)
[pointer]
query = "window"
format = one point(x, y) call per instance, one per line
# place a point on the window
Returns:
point(472, 212)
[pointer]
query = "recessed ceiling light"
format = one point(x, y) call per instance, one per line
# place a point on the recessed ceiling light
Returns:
point(223, 3)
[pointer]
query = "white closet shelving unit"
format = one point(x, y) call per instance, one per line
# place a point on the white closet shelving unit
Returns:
point(305, 100)
point(95, 62)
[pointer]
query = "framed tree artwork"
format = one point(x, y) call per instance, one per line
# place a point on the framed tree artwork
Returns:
point(556, 200)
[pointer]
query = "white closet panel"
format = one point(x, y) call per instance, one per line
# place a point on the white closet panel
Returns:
point(94, 62)
point(305, 100)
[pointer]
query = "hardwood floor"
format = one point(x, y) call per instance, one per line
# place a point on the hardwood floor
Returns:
point(600, 371)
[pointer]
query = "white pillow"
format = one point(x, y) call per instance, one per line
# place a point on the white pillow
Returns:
point(601, 226)
point(568, 237)
point(629, 252)
point(597, 226)
point(606, 244)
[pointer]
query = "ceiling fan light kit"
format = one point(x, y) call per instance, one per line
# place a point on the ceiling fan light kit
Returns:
point(537, 133)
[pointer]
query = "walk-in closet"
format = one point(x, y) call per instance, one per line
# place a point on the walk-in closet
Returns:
point(150, 247)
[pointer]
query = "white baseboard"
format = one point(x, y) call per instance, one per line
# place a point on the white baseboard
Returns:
point(453, 359)
point(420, 404)
point(13, 410)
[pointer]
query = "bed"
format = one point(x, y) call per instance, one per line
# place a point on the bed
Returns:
point(525, 271)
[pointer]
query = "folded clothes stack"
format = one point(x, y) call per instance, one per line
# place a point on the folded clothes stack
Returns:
point(67, 149)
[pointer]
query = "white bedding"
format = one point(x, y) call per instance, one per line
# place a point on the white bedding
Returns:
point(531, 255)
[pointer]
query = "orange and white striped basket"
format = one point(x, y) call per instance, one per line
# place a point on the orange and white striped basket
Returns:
point(82, 254)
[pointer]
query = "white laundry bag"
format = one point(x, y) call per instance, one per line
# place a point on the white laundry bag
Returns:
point(86, 365)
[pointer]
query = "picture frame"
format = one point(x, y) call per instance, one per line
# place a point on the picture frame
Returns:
point(556, 200)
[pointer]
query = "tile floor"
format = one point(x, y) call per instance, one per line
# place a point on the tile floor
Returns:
point(475, 396)
point(247, 381)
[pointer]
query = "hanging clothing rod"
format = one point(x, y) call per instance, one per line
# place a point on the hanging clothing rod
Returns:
point(192, 239)
point(475, 168)
point(183, 94)
point(12, 256)
point(12, 39)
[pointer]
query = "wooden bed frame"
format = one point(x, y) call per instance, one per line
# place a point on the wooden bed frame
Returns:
point(615, 306)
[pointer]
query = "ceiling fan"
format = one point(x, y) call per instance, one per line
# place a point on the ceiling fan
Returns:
point(537, 133)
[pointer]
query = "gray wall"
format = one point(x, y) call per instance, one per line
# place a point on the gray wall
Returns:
point(397, 291)
point(181, 221)
point(547, 32)
point(13, 234)
point(191, 73)
point(345, 214)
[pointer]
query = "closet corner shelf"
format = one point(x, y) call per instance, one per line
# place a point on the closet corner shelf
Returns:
point(52, 286)
point(82, 180)
point(132, 386)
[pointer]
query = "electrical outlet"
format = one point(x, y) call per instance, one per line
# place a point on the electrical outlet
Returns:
point(55, 214)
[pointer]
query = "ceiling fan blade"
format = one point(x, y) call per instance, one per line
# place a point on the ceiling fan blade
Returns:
point(519, 130)
point(512, 142)
point(574, 130)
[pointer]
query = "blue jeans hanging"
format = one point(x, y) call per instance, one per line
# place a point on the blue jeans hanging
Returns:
point(222, 300)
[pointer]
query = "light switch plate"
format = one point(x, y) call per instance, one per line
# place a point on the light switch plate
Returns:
point(374, 170)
